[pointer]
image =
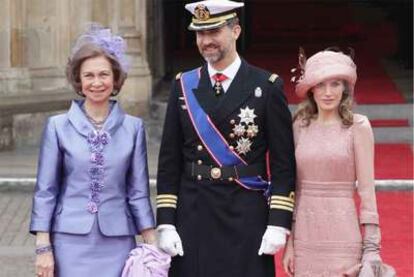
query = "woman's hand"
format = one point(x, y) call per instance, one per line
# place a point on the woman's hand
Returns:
point(45, 264)
point(149, 236)
point(288, 258)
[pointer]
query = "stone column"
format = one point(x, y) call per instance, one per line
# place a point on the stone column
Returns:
point(5, 34)
point(13, 75)
point(7, 75)
point(48, 43)
point(129, 19)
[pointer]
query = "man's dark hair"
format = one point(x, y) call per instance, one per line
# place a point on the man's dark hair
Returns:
point(233, 22)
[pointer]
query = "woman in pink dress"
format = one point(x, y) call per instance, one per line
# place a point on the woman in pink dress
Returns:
point(334, 148)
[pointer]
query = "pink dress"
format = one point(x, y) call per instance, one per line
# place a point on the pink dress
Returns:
point(330, 158)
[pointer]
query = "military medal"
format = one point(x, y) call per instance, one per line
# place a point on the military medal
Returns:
point(243, 145)
point(239, 130)
point(252, 130)
point(247, 115)
point(219, 78)
point(217, 87)
point(245, 129)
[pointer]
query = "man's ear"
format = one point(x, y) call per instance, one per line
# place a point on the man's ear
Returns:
point(236, 31)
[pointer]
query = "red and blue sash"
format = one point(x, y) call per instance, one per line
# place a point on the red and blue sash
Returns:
point(210, 136)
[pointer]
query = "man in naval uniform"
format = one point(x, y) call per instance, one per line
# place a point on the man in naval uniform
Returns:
point(226, 169)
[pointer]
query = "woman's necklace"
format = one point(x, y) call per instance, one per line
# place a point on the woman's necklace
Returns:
point(97, 124)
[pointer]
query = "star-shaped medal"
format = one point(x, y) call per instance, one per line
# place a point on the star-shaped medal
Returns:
point(243, 145)
point(239, 130)
point(252, 130)
point(247, 115)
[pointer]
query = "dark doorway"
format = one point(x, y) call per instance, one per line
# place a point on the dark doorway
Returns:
point(273, 30)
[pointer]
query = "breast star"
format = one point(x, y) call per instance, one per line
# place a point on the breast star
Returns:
point(247, 115)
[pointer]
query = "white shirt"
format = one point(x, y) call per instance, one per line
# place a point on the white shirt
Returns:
point(229, 71)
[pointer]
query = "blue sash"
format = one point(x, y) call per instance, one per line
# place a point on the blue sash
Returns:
point(212, 139)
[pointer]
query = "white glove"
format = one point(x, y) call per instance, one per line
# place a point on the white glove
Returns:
point(169, 241)
point(273, 240)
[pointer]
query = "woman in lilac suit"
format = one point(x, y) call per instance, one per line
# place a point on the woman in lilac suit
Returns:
point(92, 195)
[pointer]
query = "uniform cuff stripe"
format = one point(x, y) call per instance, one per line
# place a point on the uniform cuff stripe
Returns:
point(279, 202)
point(166, 206)
point(281, 207)
point(283, 198)
point(167, 201)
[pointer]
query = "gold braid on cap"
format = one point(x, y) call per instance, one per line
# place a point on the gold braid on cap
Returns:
point(214, 19)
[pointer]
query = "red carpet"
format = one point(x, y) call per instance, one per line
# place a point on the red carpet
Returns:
point(389, 123)
point(277, 39)
point(374, 86)
point(396, 220)
point(393, 161)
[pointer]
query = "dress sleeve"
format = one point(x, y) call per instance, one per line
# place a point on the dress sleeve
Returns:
point(364, 162)
point(138, 187)
point(296, 131)
point(48, 180)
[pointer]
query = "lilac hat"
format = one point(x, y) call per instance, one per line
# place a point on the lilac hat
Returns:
point(326, 65)
point(112, 44)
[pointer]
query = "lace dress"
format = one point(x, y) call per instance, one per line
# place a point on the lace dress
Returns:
point(330, 158)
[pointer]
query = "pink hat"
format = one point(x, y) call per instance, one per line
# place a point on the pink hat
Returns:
point(326, 65)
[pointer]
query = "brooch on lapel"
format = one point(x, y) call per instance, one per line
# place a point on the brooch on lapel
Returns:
point(245, 130)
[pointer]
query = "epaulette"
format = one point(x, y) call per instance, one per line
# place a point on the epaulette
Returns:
point(178, 76)
point(273, 77)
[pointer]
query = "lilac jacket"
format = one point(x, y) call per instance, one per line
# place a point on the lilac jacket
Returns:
point(83, 174)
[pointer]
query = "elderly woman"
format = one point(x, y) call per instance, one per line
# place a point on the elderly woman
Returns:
point(333, 148)
point(91, 196)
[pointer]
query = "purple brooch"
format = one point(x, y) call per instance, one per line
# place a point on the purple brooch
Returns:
point(96, 141)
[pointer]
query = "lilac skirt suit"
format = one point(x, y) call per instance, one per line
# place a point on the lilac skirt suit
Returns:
point(92, 191)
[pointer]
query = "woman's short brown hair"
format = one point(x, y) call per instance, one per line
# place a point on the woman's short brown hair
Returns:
point(88, 51)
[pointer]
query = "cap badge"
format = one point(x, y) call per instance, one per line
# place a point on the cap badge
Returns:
point(201, 12)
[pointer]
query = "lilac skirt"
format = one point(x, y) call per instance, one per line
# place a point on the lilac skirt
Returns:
point(93, 254)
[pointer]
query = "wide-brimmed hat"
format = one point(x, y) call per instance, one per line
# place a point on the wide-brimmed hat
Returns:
point(211, 14)
point(326, 65)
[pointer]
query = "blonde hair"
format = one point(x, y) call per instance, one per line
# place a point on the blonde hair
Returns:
point(308, 110)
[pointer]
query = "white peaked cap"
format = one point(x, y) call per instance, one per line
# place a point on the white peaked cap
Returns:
point(211, 14)
point(215, 6)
